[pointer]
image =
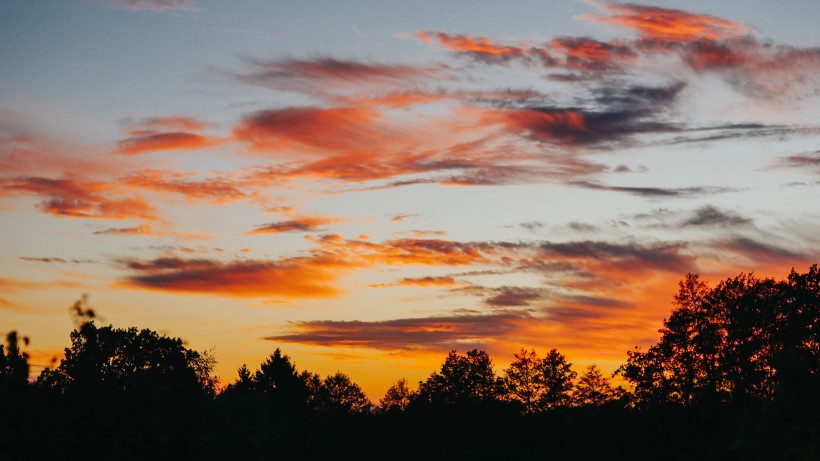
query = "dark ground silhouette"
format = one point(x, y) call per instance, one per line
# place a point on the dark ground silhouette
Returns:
point(735, 375)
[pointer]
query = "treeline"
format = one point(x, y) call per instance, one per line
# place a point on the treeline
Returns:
point(735, 375)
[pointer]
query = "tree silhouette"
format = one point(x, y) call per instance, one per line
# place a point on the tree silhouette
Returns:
point(744, 340)
point(796, 337)
point(14, 366)
point(557, 377)
point(396, 398)
point(539, 384)
point(524, 380)
point(110, 361)
point(339, 394)
point(593, 389)
point(463, 379)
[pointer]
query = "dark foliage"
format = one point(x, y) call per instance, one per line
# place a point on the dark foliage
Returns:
point(734, 376)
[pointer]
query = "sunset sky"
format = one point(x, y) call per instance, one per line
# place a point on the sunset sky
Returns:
point(370, 184)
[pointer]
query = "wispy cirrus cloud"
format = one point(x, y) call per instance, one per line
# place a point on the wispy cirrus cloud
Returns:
point(444, 281)
point(482, 48)
point(301, 224)
point(156, 134)
point(58, 260)
point(655, 23)
point(78, 198)
point(218, 188)
point(150, 5)
point(321, 75)
point(712, 216)
point(158, 142)
point(656, 192)
point(136, 230)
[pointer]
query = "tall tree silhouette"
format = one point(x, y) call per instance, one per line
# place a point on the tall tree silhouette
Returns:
point(524, 381)
point(557, 376)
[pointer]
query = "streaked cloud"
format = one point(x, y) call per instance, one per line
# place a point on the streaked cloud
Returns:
point(426, 333)
point(303, 224)
point(150, 5)
point(216, 188)
point(78, 198)
point(299, 277)
point(136, 230)
point(667, 25)
point(428, 281)
point(57, 260)
point(321, 74)
point(155, 134)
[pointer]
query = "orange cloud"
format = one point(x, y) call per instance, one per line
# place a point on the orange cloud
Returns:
point(304, 277)
point(459, 42)
point(333, 129)
point(304, 224)
point(217, 189)
point(166, 141)
point(427, 281)
point(583, 53)
point(78, 198)
point(668, 25)
point(14, 285)
point(402, 216)
point(152, 134)
point(421, 252)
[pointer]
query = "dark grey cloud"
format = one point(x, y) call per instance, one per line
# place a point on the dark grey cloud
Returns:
point(757, 251)
point(324, 72)
point(664, 256)
point(510, 296)
point(611, 116)
point(50, 260)
point(731, 131)
point(305, 224)
point(532, 226)
point(712, 216)
point(581, 227)
point(658, 192)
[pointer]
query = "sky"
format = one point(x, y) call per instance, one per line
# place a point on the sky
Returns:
point(368, 185)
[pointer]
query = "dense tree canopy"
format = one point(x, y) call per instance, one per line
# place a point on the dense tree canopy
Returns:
point(109, 360)
point(737, 367)
point(539, 384)
point(467, 378)
point(745, 339)
point(14, 366)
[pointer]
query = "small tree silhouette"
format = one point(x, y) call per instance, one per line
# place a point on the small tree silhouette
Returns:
point(396, 398)
point(593, 389)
